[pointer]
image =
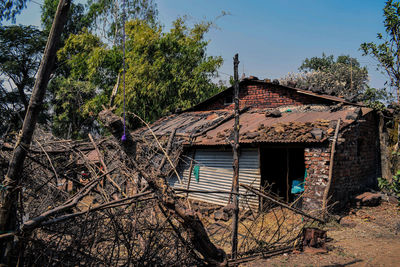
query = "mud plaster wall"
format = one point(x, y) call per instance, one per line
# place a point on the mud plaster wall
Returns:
point(264, 96)
point(357, 160)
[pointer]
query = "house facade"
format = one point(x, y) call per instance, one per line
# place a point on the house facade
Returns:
point(285, 145)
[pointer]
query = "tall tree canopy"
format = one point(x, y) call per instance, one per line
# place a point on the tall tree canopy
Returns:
point(91, 69)
point(21, 49)
point(107, 15)
point(166, 71)
point(88, 65)
point(387, 50)
point(342, 77)
point(9, 9)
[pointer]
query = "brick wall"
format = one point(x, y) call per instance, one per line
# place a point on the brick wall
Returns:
point(357, 160)
point(263, 95)
point(317, 165)
point(356, 165)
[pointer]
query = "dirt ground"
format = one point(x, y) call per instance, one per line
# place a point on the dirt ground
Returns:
point(369, 236)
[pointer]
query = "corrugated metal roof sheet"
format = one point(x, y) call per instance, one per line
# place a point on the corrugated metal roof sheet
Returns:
point(187, 123)
point(290, 127)
point(215, 172)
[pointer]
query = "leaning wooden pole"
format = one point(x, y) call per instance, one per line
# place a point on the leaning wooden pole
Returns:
point(12, 180)
point(235, 148)
point(328, 185)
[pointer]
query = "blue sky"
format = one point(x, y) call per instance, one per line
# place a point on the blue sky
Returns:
point(273, 37)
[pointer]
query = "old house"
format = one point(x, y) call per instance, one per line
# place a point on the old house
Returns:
point(285, 144)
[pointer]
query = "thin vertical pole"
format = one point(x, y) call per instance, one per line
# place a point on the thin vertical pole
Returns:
point(287, 175)
point(235, 147)
point(351, 74)
point(123, 66)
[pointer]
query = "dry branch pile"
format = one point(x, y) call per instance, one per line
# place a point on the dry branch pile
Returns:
point(104, 202)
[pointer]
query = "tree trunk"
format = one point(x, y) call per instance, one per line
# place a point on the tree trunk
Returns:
point(188, 219)
point(11, 182)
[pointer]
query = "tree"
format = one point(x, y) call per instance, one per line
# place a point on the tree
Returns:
point(77, 18)
point(167, 71)
point(387, 51)
point(86, 65)
point(107, 15)
point(21, 48)
point(90, 68)
point(10, 8)
point(11, 181)
point(342, 77)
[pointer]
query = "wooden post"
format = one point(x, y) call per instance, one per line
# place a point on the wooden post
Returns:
point(235, 147)
point(328, 185)
point(8, 210)
point(287, 175)
point(383, 143)
point(190, 175)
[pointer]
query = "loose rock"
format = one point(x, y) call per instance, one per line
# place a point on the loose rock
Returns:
point(368, 199)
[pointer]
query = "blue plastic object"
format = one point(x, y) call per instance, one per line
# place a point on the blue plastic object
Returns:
point(196, 172)
point(297, 187)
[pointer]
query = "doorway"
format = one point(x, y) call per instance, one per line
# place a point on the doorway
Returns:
point(279, 167)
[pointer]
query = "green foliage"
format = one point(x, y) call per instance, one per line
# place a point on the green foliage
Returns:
point(70, 98)
point(77, 52)
point(107, 15)
point(317, 63)
point(77, 18)
point(166, 71)
point(342, 77)
point(386, 52)
point(91, 71)
point(392, 187)
point(21, 48)
point(10, 8)
point(375, 98)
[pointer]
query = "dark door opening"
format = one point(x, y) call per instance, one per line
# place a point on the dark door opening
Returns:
point(279, 167)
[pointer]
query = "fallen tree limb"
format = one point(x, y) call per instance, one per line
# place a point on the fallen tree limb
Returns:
point(108, 205)
point(160, 146)
point(264, 195)
point(210, 192)
point(188, 219)
point(33, 223)
point(12, 180)
point(168, 150)
point(105, 166)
